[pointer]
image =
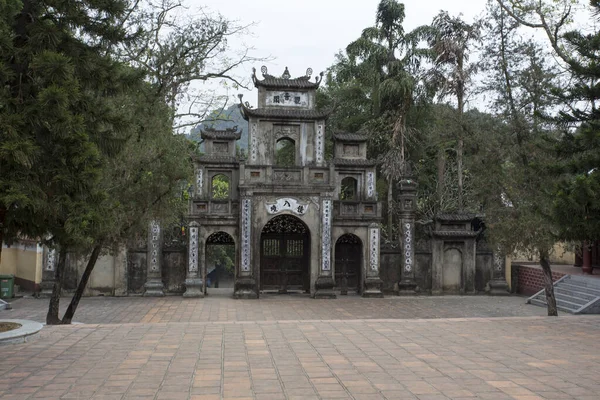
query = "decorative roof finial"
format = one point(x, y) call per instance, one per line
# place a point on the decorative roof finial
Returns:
point(264, 70)
point(286, 74)
point(309, 72)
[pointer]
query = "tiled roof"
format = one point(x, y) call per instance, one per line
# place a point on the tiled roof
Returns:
point(283, 113)
point(223, 134)
point(350, 137)
point(285, 81)
point(463, 217)
point(212, 159)
point(354, 161)
point(456, 234)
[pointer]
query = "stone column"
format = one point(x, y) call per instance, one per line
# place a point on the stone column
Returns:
point(48, 271)
point(154, 285)
point(120, 271)
point(324, 284)
point(498, 284)
point(245, 284)
point(408, 205)
point(194, 283)
point(373, 283)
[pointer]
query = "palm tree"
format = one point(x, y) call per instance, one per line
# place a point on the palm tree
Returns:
point(390, 61)
point(450, 41)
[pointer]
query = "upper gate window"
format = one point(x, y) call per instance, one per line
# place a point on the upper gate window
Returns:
point(285, 153)
point(348, 189)
point(220, 187)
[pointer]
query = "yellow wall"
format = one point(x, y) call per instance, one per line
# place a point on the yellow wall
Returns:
point(559, 255)
point(23, 260)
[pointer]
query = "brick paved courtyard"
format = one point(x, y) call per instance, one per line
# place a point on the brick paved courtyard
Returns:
point(297, 348)
point(276, 308)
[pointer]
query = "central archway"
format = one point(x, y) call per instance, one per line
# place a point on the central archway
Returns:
point(284, 255)
point(348, 263)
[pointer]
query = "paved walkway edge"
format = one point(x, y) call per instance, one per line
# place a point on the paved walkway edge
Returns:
point(26, 332)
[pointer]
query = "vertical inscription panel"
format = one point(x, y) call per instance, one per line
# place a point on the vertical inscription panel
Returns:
point(154, 243)
point(326, 235)
point(50, 260)
point(370, 184)
point(320, 143)
point(408, 246)
point(199, 182)
point(374, 249)
point(246, 232)
point(193, 250)
point(254, 142)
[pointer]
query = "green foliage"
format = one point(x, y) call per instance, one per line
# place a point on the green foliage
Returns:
point(221, 254)
point(58, 115)
point(577, 204)
point(220, 187)
point(285, 153)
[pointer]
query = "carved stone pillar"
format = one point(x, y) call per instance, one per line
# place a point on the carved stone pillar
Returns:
point(120, 271)
point(154, 285)
point(373, 283)
point(48, 271)
point(245, 283)
point(324, 284)
point(408, 205)
point(194, 283)
point(498, 284)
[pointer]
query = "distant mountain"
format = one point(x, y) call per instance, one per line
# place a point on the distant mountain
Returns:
point(228, 118)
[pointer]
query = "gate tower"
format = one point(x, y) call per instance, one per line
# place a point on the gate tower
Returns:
point(287, 205)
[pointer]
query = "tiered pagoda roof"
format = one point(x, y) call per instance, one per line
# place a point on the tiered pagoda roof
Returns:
point(286, 81)
point(221, 134)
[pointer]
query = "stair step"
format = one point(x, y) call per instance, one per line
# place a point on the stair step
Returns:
point(571, 299)
point(579, 288)
point(560, 304)
point(560, 307)
point(574, 293)
point(592, 283)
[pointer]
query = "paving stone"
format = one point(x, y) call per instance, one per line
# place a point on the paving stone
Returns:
point(337, 352)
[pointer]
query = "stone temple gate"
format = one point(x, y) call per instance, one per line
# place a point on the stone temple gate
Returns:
point(294, 221)
point(298, 221)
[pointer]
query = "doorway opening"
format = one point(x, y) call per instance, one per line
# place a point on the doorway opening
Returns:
point(284, 255)
point(220, 263)
point(348, 263)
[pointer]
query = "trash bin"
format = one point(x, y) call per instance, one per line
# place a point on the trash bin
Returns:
point(7, 284)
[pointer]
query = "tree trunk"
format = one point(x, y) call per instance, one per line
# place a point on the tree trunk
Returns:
point(52, 316)
point(459, 166)
point(441, 169)
point(548, 284)
point(390, 213)
point(461, 144)
point(82, 285)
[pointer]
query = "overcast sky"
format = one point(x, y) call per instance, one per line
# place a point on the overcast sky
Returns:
point(308, 33)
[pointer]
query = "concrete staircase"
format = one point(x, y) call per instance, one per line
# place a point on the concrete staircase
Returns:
point(574, 294)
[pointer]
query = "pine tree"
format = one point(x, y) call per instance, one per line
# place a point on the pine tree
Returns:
point(57, 119)
point(577, 204)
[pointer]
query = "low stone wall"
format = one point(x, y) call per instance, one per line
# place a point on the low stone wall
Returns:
point(530, 279)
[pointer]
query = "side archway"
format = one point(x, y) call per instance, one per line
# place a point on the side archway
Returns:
point(348, 263)
point(220, 260)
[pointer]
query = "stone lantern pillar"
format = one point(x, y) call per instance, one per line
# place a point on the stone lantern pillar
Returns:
point(373, 283)
point(498, 284)
point(194, 282)
point(324, 284)
point(48, 271)
point(408, 205)
point(154, 285)
point(245, 283)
